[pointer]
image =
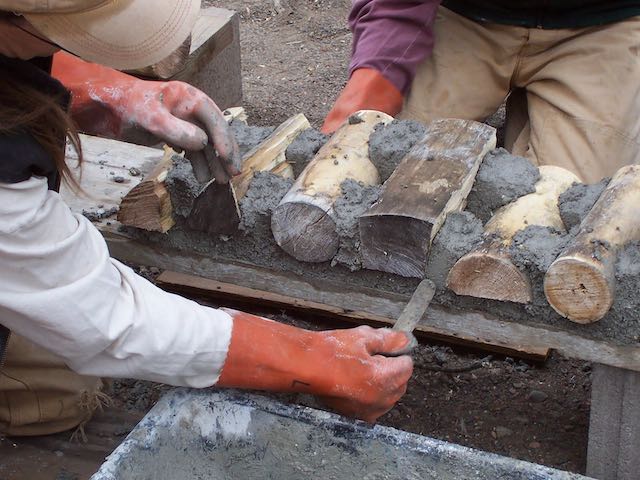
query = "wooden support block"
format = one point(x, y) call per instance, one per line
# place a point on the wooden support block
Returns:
point(211, 61)
point(614, 429)
point(302, 224)
point(432, 180)
point(580, 284)
point(488, 272)
point(148, 204)
point(216, 210)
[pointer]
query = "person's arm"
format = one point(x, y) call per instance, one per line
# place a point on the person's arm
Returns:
point(60, 289)
point(390, 39)
point(113, 104)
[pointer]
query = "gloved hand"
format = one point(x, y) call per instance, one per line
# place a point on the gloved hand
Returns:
point(342, 367)
point(367, 89)
point(116, 105)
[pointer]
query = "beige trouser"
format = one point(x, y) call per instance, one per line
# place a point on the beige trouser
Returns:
point(40, 395)
point(581, 104)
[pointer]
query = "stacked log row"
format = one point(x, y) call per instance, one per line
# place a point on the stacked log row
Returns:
point(302, 224)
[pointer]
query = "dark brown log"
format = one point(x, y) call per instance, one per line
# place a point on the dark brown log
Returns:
point(432, 180)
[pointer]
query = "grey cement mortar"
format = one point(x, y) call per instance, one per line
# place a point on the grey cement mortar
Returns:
point(388, 144)
point(263, 196)
point(577, 201)
point(459, 234)
point(626, 305)
point(355, 200)
point(502, 178)
point(182, 185)
point(304, 148)
point(249, 136)
point(203, 435)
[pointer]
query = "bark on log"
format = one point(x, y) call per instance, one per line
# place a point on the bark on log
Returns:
point(488, 272)
point(580, 284)
point(432, 180)
point(216, 209)
point(148, 204)
point(302, 224)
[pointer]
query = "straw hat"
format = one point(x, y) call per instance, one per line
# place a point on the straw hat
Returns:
point(124, 34)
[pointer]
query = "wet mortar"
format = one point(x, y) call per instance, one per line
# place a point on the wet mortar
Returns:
point(577, 201)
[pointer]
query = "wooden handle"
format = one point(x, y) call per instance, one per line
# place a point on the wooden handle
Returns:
point(580, 284)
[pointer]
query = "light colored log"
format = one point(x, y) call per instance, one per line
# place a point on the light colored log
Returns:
point(302, 224)
point(488, 272)
point(216, 210)
point(148, 204)
point(580, 284)
point(433, 179)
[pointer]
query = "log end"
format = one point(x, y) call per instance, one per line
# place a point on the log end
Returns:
point(148, 208)
point(304, 231)
point(490, 276)
point(395, 244)
point(580, 289)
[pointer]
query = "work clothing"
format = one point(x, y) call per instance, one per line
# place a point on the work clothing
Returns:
point(581, 88)
point(60, 290)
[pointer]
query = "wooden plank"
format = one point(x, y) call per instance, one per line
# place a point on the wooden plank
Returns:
point(432, 180)
point(191, 285)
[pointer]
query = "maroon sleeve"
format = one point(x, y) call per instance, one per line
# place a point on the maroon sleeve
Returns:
point(392, 36)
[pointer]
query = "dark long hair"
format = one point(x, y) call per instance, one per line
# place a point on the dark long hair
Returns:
point(25, 108)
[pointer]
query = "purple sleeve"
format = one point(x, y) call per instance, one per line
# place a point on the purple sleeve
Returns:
point(392, 36)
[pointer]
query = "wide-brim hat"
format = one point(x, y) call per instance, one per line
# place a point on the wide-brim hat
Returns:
point(124, 34)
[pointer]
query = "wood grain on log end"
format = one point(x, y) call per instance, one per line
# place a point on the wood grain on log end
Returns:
point(489, 275)
point(579, 288)
point(309, 234)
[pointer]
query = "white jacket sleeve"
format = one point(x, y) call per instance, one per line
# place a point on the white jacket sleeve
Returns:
point(60, 289)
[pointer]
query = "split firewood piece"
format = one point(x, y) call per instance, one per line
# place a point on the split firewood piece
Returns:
point(488, 272)
point(148, 204)
point(432, 180)
point(580, 284)
point(302, 224)
point(216, 209)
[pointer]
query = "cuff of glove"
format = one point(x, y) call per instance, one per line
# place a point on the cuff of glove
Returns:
point(367, 89)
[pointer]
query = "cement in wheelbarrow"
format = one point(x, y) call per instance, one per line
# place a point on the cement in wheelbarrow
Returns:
point(195, 434)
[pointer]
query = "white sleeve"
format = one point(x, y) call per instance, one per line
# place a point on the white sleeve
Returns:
point(60, 289)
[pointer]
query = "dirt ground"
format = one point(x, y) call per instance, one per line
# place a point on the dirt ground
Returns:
point(295, 60)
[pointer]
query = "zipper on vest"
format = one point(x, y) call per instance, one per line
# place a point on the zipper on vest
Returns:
point(5, 334)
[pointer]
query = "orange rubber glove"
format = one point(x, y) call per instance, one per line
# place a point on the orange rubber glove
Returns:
point(116, 105)
point(342, 367)
point(367, 89)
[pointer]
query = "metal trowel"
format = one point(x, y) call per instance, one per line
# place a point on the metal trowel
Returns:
point(412, 314)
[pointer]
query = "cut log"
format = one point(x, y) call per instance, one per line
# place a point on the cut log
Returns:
point(580, 284)
point(216, 210)
point(488, 272)
point(432, 180)
point(302, 224)
point(148, 204)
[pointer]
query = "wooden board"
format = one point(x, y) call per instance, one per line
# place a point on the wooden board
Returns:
point(480, 326)
point(193, 286)
point(432, 180)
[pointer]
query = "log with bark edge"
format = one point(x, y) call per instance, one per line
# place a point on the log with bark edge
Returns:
point(148, 204)
point(487, 271)
point(216, 209)
point(432, 180)
point(302, 224)
point(580, 283)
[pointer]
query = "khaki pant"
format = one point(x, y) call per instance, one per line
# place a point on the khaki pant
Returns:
point(580, 106)
point(40, 395)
